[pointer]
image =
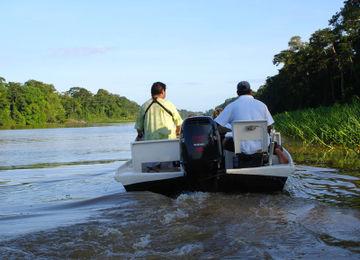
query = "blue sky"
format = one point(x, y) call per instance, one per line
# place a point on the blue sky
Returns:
point(199, 48)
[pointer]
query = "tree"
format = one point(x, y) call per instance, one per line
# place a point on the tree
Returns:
point(346, 25)
point(324, 71)
point(5, 119)
point(17, 102)
point(52, 107)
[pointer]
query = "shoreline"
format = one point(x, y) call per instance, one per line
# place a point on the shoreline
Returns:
point(338, 157)
point(68, 124)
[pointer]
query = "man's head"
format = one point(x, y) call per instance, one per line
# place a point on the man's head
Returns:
point(243, 88)
point(158, 88)
point(217, 112)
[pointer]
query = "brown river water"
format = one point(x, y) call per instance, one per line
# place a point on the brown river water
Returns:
point(59, 199)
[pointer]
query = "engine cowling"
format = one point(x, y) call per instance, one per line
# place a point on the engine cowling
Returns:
point(200, 151)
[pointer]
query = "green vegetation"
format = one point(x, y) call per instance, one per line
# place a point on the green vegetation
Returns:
point(327, 126)
point(37, 104)
point(324, 71)
point(324, 135)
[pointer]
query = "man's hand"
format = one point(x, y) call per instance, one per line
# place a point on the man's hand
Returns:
point(140, 135)
point(178, 129)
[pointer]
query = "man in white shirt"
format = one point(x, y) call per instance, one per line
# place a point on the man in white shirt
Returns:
point(246, 107)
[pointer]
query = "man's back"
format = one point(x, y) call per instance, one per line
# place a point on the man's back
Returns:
point(244, 107)
point(158, 118)
point(157, 122)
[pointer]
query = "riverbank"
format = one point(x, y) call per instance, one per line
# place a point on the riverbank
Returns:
point(69, 123)
point(338, 157)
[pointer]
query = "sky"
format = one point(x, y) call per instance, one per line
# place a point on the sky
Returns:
point(199, 48)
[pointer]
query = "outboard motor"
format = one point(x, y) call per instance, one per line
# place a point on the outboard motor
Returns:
point(200, 152)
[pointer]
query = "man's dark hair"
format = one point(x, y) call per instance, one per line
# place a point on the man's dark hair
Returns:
point(243, 88)
point(157, 88)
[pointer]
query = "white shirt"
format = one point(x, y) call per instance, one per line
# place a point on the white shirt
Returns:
point(245, 107)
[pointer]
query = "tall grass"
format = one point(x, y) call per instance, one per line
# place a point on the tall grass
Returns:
point(328, 135)
point(338, 125)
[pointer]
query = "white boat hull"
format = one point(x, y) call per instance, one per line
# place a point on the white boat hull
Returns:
point(255, 179)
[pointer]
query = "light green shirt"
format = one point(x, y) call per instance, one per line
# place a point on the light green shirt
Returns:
point(158, 124)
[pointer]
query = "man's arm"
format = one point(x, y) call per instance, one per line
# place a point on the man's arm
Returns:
point(178, 129)
point(176, 118)
point(222, 130)
point(139, 126)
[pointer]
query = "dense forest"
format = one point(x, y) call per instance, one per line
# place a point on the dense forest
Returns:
point(37, 104)
point(321, 72)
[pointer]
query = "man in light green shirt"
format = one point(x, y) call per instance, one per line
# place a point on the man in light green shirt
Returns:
point(158, 117)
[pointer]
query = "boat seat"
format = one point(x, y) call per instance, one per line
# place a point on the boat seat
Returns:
point(151, 153)
point(250, 131)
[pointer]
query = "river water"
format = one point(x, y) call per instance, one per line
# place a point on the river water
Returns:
point(59, 199)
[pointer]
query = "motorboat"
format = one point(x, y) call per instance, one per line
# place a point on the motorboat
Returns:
point(197, 161)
